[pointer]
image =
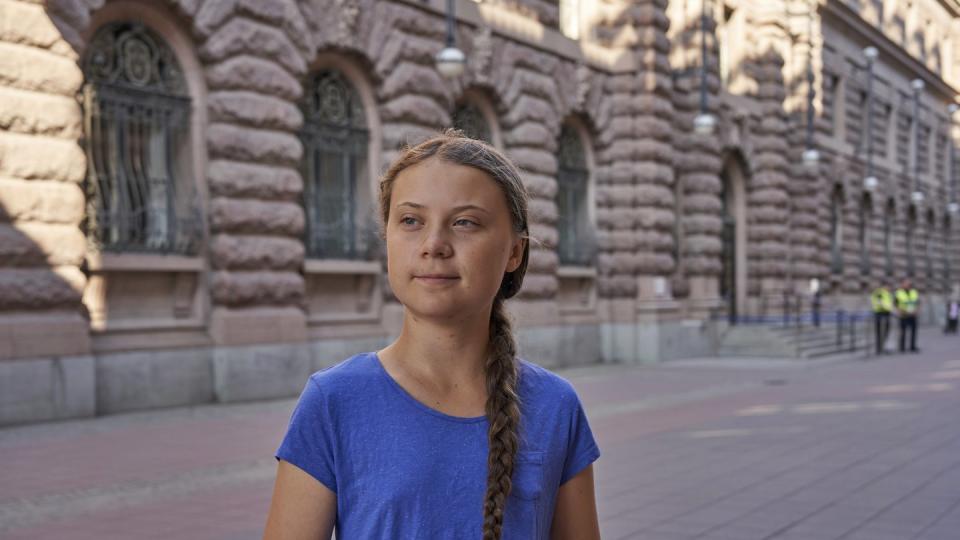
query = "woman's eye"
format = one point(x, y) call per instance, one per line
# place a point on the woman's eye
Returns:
point(463, 222)
point(408, 220)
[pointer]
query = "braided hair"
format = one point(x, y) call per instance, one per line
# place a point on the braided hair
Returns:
point(501, 369)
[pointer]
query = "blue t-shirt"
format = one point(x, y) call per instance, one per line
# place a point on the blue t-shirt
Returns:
point(403, 470)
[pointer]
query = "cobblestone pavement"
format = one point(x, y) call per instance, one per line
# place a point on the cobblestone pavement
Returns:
point(711, 449)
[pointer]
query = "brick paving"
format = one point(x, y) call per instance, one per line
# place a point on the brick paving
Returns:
point(713, 449)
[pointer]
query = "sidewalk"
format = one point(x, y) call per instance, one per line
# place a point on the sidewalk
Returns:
point(713, 448)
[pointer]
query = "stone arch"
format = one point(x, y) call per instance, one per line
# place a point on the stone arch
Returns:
point(354, 71)
point(167, 26)
point(479, 99)
point(838, 200)
point(587, 132)
point(888, 229)
point(735, 180)
point(864, 232)
point(181, 301)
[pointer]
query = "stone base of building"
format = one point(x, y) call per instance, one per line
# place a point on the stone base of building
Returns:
point(58, 388)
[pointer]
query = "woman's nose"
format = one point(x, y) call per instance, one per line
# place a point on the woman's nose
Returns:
point(436, 244)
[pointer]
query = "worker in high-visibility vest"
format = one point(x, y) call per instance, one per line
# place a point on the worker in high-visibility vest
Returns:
point(882, 302)
point(907, 301)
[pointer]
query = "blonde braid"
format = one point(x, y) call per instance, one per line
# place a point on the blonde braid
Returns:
point(503, 414)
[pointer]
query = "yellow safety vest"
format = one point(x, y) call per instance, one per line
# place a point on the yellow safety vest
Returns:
point(907, 300)
point(882, 300)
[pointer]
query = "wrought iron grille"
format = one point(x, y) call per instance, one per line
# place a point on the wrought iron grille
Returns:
point(836, 232)
point(468, 119)
point(335, 139)
point(576, 242)
point(136, 116)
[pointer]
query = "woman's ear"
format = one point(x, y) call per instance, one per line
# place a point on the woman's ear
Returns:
point(516, 253)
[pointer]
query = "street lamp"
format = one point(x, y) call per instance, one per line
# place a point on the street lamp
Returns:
point(870, 182)
point(811, 157)
point(450, 60)
point(704, 123)
point(917, 195)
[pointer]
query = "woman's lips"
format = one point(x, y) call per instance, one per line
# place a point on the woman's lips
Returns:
point(436, 279)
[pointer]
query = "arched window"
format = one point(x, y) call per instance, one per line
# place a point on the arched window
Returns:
point(888, 236)
point(141, 195)
point(836, 231)
point(866, 214)
point(911, 228)
point(469, 119)
point(576, 244)
point(336, 197)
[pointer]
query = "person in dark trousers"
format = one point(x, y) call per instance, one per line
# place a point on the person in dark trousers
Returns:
point(815, 301)
point(907, 301)
point(882, 302)
point(953, 315)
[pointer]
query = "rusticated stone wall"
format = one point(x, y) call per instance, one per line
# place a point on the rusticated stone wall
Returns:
point(767, 195)
point(635, 199)
point(41, 170)
point(255, 54)
point(697, 162)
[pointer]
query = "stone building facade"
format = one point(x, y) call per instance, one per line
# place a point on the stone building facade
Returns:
point(186, 186)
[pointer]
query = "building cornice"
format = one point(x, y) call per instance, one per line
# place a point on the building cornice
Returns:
point(522, 29)
point(892, 54)
point(952, 6)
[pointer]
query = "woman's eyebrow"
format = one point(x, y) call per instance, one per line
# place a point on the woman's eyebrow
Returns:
point(455, 209)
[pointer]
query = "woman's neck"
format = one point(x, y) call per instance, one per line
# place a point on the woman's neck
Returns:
point(439, 359)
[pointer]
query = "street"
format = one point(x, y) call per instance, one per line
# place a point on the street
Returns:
point(711, 449)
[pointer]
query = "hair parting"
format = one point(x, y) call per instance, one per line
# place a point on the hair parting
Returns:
point(502, 369)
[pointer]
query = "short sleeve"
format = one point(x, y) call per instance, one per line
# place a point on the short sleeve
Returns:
point(582, 449)
point(309, 442)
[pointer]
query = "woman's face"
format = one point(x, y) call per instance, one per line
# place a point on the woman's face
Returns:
point(449, 240)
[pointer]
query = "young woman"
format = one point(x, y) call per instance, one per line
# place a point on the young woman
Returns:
point(444, 433)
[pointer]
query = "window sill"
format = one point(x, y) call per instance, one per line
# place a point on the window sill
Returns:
point(141, 262)
point(341, 267)
point(576, 272)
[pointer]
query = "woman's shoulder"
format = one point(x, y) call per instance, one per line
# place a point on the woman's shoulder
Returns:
point(346, 376)
point(542, 385)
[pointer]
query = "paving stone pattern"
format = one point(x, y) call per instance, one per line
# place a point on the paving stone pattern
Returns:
point(711, 449)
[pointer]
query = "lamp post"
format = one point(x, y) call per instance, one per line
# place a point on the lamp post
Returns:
point(811, 157)
point(870, 181)
point(450, 60)
point(952, 206)
point(704, 123)
point(917, 195)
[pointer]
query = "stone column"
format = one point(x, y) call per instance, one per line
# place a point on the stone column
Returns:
point(697, 162)
point(255, 58)
point(530, 129)
point(768, 198)
point(46, 371)
point(651, 152)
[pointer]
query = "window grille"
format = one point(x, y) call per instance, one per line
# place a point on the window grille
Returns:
point(836, 232)
point(856, 99)
point(888, 237)
point(923, 149)
point(576, 243)
point(340, 220)
point(468, 119)
point(140, 193)
point(904, 125)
